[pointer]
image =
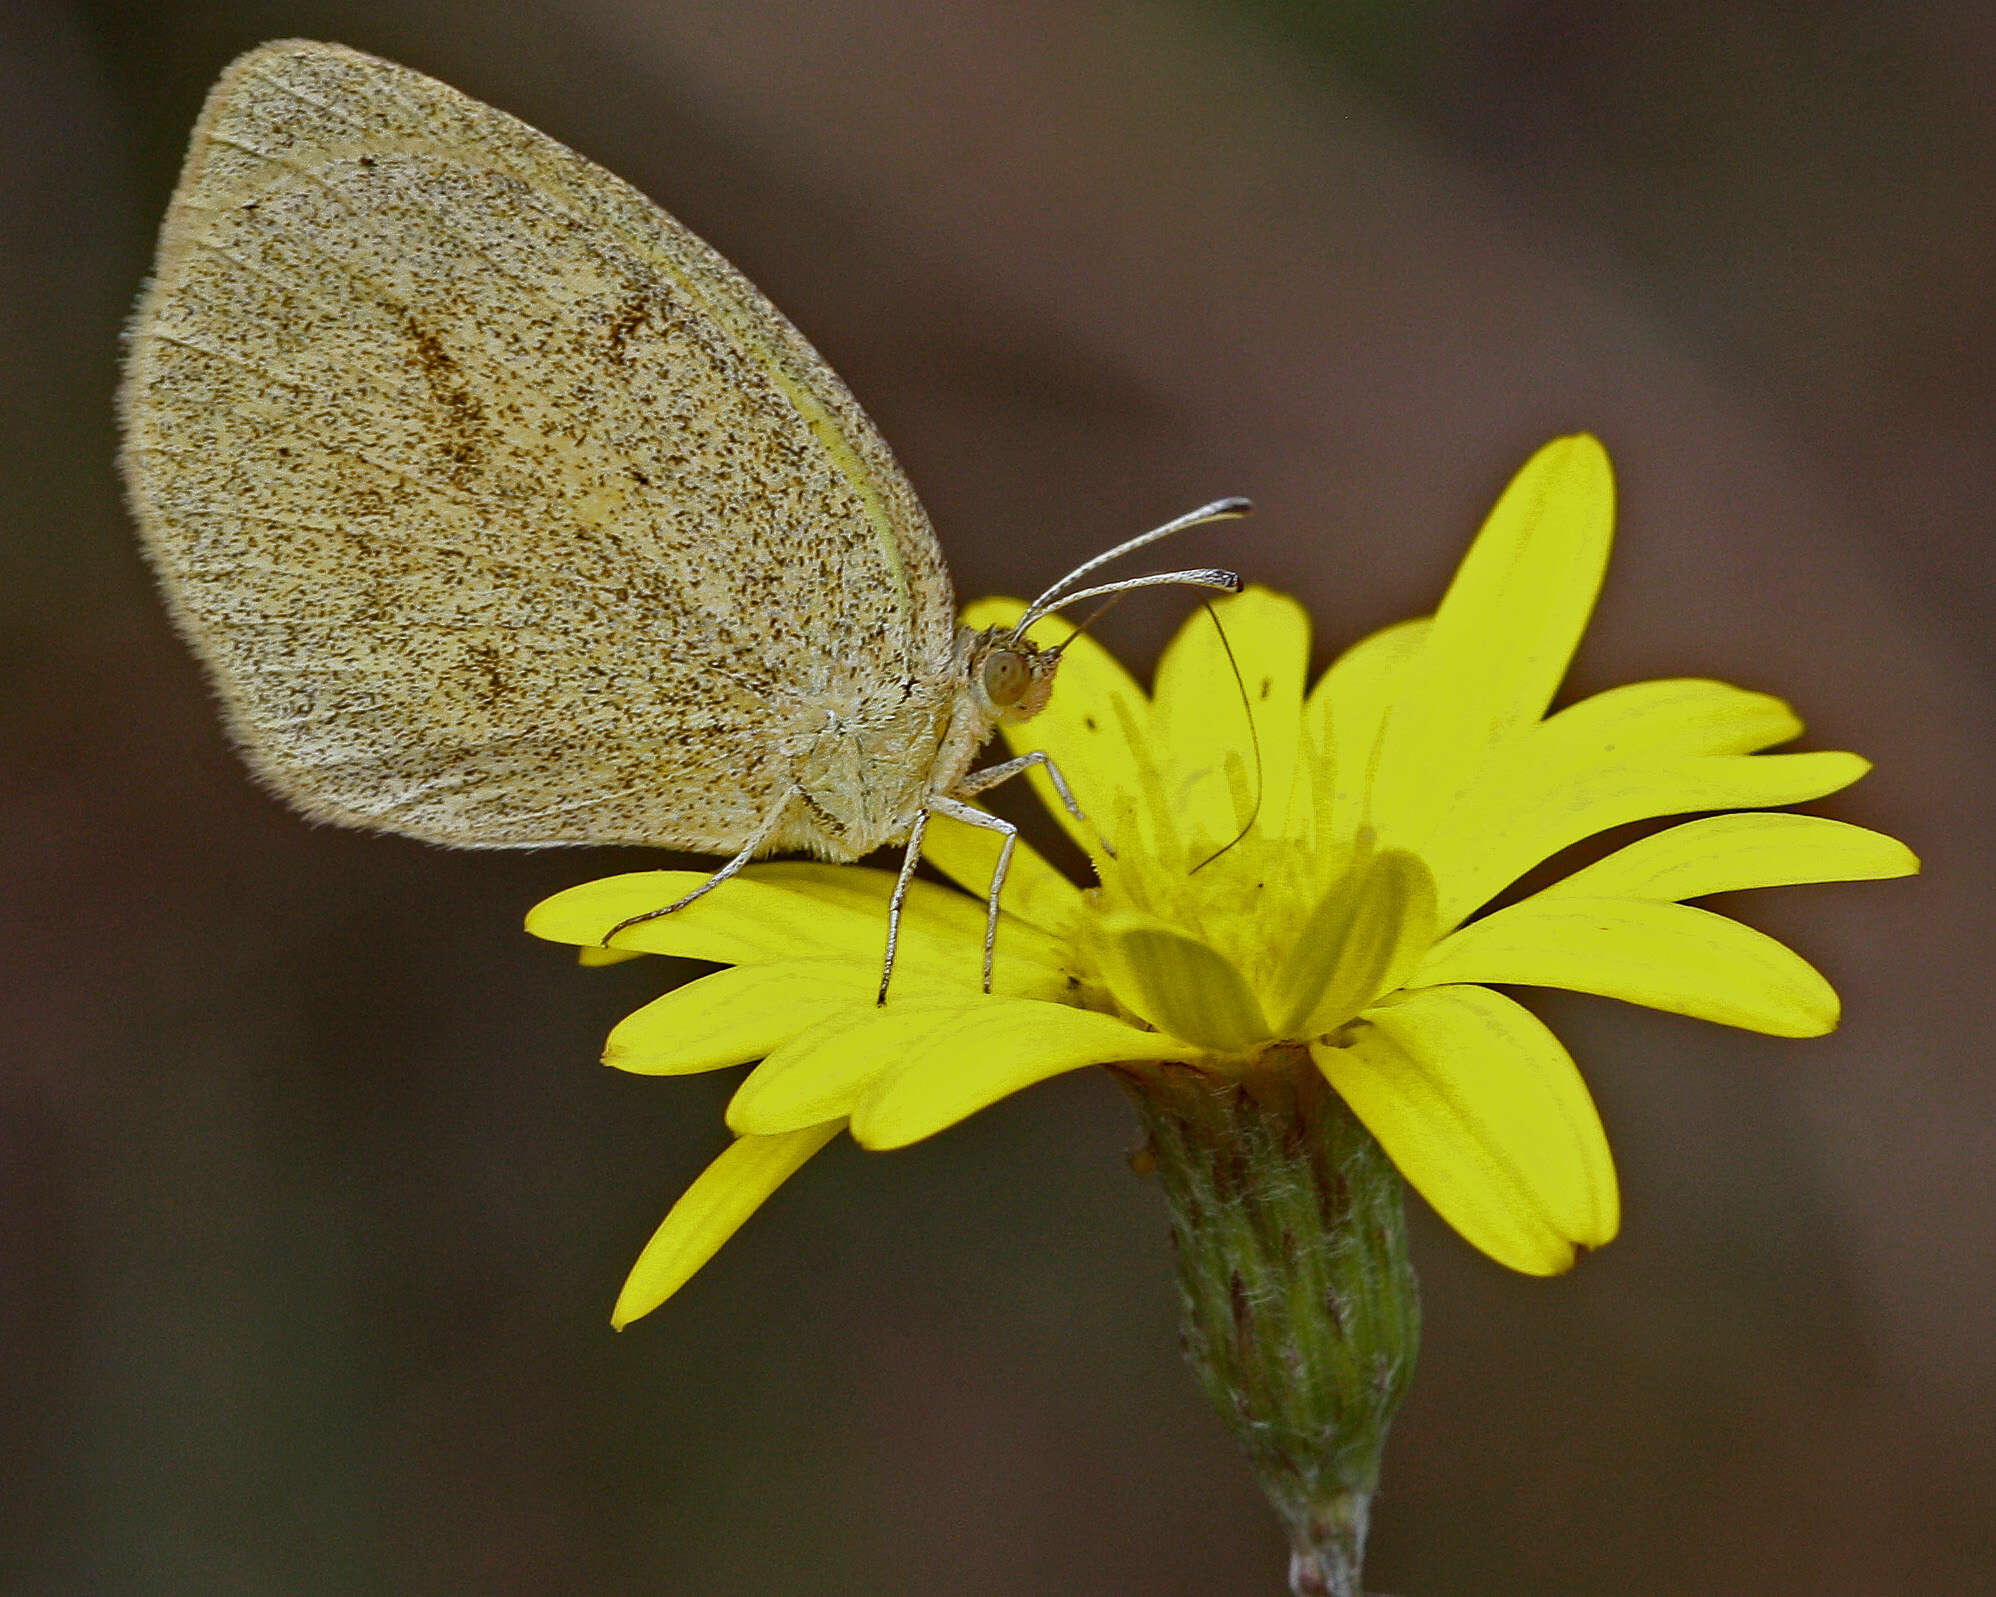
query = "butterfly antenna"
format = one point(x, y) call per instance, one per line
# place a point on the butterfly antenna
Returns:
point(1094, 616)
point(1059, 596)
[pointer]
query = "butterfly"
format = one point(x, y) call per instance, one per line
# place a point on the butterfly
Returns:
point(504, 512)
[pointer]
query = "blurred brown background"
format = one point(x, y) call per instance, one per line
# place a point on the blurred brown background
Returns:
point(312, 1199)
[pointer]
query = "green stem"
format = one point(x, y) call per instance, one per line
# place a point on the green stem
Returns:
point(1301, 1312)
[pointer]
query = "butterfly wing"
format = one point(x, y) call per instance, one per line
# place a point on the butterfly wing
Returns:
point(502, 510)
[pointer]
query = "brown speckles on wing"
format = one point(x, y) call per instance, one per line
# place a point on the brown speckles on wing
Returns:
point(502, 509)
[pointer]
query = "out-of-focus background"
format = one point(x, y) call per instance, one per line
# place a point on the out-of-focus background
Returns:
point(312, 1198)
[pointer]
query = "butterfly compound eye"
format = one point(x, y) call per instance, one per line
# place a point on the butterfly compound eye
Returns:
point(1006, 678)
point(1013, 682)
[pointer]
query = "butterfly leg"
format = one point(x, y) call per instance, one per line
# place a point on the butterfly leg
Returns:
point(909, 860)
point(750, 849)
point(978, 781)
point(970, 815)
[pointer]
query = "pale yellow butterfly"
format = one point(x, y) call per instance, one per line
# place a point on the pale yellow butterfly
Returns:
point(505, 513)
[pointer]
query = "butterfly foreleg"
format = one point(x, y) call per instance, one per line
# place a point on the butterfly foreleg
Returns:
point(976, 782)
point(979, 781)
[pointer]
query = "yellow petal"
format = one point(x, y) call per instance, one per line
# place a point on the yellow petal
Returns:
point(1485, 1115)
point(1477, 857)
point(990, 1053)
point(936, 922)
point(1667, 956)
point(738, 1014)
point(1503, 634)
point(725, 1194)
point(1178, 983)
point(1725, 853)
point(1344, 717)
point(798, 911)
point(1551, 768)
point(1034, 891)
point(1227, 714)
point(821, 1073)
point(739, 922)
point(1083, 725)
point(1360, 941)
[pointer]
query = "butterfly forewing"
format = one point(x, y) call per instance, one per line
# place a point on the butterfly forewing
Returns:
point(502, 509)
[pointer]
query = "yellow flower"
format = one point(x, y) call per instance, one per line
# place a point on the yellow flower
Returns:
point(1283, 870)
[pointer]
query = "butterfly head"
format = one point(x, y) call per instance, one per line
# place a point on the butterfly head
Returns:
point(1010, 678)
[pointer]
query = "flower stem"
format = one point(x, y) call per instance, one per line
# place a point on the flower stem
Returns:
point(1301, 1313)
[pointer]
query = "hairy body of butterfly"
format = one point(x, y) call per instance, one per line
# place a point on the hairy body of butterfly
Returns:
point(505, 513)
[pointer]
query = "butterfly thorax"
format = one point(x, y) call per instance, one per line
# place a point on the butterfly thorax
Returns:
point(872, 767)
